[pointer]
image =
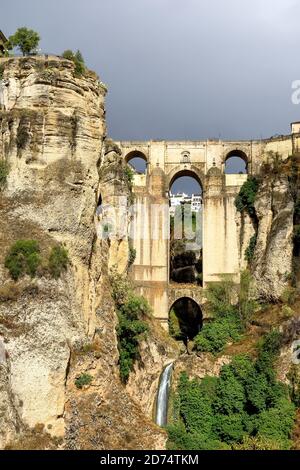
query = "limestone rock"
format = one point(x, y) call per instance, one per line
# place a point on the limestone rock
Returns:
point(272, 262)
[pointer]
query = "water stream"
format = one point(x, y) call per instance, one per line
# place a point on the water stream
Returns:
point(163, 396)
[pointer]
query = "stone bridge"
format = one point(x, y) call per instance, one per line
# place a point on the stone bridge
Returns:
point(224, 237)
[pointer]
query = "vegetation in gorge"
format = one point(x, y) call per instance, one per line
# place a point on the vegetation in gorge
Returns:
point(244, 407)
point(129, 175)
point(132, 311)
point(77, 59)
point(24, 257)
point(230, 320)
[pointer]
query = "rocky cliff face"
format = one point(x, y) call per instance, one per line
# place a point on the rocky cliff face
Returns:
point(273, 257)
point(51, 331)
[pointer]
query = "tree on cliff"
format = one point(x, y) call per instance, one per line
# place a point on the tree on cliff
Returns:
point(26, 40)
point(78, 60)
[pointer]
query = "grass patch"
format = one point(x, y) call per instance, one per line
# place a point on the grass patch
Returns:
point(82, 380)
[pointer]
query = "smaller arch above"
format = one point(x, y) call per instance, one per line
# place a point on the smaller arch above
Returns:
point(137, 160)
point(236, 162)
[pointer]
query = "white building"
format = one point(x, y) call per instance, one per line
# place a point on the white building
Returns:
point(196, 202)
point(181, 198)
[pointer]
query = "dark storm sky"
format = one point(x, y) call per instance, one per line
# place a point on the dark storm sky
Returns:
point(179, 69)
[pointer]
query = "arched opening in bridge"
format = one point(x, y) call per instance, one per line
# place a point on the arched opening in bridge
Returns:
point(186, 212)
point(185, 319)
point(137, 161)
point(236, 163)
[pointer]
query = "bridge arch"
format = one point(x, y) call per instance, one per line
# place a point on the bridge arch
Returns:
point(185, 318)
point(192, 172)
point(137, 160)
point(236, 162)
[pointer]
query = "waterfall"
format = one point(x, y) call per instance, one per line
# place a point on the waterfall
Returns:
point(163, 396)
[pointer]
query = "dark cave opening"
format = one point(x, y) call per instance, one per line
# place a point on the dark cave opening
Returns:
point(185, 319)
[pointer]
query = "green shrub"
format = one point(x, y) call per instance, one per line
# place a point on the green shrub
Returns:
point(246, 304)
point(230, 320)
point(4, 170)
point(129, 333)
point(58, 261)
point(22, 135)
point(129, 175)
point(131, 311)
point(83, 379)
point(246, 197)
point(78, 60)
point(1, 70)
point(26, 40)
point(23, 258)
point(174, 326)
point(249, 252)
point(220, 296)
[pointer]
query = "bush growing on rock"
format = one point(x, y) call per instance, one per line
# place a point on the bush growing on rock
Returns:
point(23, 258)
point(249, 253)
point(26, 40)
point(289, 295)
point(131, 309)
point(214, 335)
point(4, 170)
point(82, 380)
point(174, 326)
point(246, 197)
point(58, 261)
